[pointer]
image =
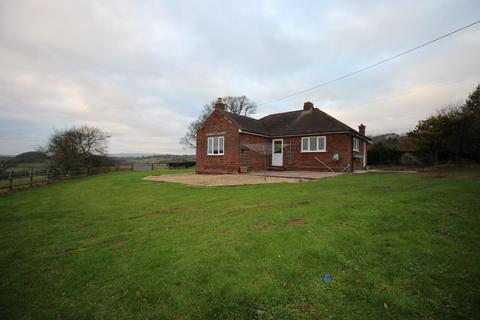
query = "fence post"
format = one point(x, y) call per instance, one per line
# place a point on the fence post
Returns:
point(131, 169)
point(10, 178)
point(31, 177)
point(48, 175)
point(152, 166)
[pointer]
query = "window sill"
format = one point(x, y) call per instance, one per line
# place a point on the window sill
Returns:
point(319, 151)
point(215, 155)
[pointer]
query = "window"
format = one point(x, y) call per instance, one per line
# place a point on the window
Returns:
point(356, 144)
point(215, 146)
point(277, 146)
point(314, 144)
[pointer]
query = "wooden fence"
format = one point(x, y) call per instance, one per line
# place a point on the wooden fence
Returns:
point(28, 178)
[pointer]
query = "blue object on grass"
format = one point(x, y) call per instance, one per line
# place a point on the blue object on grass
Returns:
point(327, 277)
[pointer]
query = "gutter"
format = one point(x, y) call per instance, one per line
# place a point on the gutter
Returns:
point(253, 133)
point(304, 134)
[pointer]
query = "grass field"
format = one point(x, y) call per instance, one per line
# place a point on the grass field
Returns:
point(25, 167)
point(399, 246)
point(4, 183)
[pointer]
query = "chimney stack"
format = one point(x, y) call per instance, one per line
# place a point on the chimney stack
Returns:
point(307, 106)
point(361, 129)
point(219, 105)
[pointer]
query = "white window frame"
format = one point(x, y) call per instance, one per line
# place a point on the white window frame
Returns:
point(218, 141)
point(356, 144)
point(307, 140)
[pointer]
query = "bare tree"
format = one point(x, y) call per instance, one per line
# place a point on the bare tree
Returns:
point(76, 147)
point(239, 105)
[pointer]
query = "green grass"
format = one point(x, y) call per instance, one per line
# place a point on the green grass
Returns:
point(25, 167)
point(399, 246)
point(22, 182)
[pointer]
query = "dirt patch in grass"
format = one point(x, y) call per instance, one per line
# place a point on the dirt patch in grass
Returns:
point(344, 223)
point(246, 208)
point(309, 308)
point(216, 180)
point(452, 213)
point(66, 250)
point(298, 221)
point(118, 243)
point(445, 233)
point(300, 203)
point(158, 212)
point(258, 226)
point(151, 214)
point(233, 213)
point(114, 243)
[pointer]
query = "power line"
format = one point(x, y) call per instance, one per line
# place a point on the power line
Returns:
point(411, 91)
point(372, 65)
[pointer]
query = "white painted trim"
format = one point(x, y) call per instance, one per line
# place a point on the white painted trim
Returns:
point(356, 145)
point(253, 134)
point(218, 146)
point(304, 135)
point(313, 151)
point(273, 153)
point(364, 154)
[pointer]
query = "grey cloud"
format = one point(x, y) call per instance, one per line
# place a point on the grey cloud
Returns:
point(143, 70)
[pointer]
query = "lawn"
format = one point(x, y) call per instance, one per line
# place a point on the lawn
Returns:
point(399, 246)
point(25, 167)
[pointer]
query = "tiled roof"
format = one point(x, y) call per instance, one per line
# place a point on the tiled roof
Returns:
point(246, 123)
point(291, 123)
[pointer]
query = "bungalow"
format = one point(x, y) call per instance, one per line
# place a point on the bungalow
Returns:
point(307, 139)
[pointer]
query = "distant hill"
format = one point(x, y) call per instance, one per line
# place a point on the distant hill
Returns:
point(37, 159)
point(152, 158)
point(31, 157)
point(4, 157)
point(132, 155)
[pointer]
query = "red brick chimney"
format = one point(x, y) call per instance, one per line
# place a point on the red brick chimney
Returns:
point(219, 105)
point(361, 129)
point(307, 106)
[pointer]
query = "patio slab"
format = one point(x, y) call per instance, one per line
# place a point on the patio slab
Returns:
point(214, 180)
point(295, 174)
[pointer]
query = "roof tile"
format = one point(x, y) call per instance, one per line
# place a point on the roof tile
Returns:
point(290, 123)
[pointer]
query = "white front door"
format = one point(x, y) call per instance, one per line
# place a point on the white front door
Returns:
point(277, 152)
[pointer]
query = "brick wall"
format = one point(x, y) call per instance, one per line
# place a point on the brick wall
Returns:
point(256, 159)
point(358, 164)
point(218, 125)
point(335, 143)
point(293, 159)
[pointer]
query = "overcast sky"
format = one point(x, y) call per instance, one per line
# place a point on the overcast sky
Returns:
point(142, 70)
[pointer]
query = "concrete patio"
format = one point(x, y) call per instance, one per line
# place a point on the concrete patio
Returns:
point(257, 177)
point(312, 175)
point(216, 180)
